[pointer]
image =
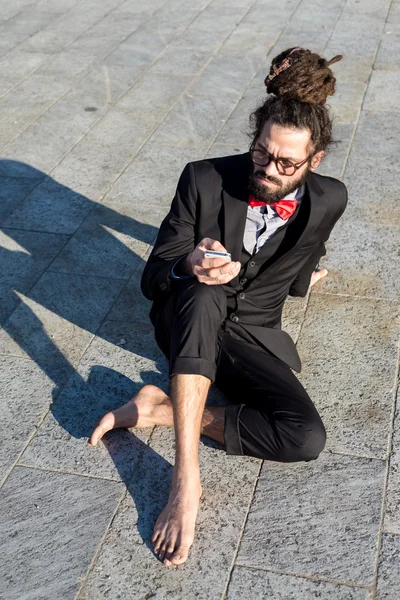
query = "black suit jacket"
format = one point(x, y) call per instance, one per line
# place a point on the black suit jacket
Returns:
point(211, 201)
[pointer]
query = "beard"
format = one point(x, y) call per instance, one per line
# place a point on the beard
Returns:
point(262, 194)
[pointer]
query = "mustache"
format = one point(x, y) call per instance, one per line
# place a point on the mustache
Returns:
point(262, 175)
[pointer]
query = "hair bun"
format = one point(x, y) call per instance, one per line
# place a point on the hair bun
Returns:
point(300, 74)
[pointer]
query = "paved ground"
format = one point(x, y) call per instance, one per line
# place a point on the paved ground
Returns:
point(102, 104)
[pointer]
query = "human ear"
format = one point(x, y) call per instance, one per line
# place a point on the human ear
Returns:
point(316, 159)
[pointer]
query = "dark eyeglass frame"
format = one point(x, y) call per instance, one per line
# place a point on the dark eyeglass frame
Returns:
point(279, 167)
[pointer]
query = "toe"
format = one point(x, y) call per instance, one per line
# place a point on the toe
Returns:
point(180, 555)
point(104, 425)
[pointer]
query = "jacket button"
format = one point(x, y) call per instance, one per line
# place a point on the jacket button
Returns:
point(252, 263)
point(234, 318)
point(242, 296)
point(243, 281)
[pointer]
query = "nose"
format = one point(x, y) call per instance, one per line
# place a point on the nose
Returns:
point(271, 168)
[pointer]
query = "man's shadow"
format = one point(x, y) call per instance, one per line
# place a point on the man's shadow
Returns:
point(80, 397)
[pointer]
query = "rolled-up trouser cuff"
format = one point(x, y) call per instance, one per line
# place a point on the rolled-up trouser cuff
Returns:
point(233, 444)
point(187, 365)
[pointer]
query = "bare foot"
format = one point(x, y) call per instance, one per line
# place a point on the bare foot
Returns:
point(317, 275)
point(151, 406)
point(174, 529)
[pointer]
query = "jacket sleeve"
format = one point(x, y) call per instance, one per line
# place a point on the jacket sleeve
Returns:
point(301, 283)
point(176, 237)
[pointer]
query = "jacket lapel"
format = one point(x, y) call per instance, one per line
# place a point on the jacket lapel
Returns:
point(235, 203)
point(311, 212)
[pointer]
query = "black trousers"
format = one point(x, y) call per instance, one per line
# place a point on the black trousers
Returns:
point(271, 415)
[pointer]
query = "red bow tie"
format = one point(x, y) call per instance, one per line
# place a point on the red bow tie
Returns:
point(284, 208)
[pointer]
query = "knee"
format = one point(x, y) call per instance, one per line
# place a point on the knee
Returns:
point(313, 443)
point(202, 296)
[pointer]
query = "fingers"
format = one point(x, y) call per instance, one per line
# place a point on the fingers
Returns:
point(210, 244)
point(217, 275)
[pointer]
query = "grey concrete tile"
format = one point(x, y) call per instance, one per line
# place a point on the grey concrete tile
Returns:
point(373, 189)
point(293, 315)
point(230, 74)
point(119, 361)
point(58, 319)
point(173, 60)
point(152, 176)
point(110, 30)
point(16, 113)
point(375, 100)
point(24, 256)
point(220, 17)
point(132, 7)
point(139, 49)
point(244, 41)
point(353, 68)
point(25, 25)
point(388, 54)
point(333, 164)
point(278, 586)
point(10, 10)
point(388, 570)
point(227, 487)
point(12, 191)
point(264, 15)
point(358, 254)
point(192, 37)
point(168, 21)
point(51, 207)
point(392, 515)
point(51, 527)
point(153, 93)
point(26, 391)
point(131, 305)
point(195, 121)
point(319, 518)
point(96, 161)
point(348, 369)
point(346, 103)
point(110, 242)
point(377, 136)
point(16, 65)
point(394, 13)
point(19, 170)
point(217, 150)
point(70, 26)
point(69, 119)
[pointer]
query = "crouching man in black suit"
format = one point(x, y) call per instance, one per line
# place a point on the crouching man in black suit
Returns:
point(220, 320)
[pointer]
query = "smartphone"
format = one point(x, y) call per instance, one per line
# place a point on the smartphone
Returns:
point(215, 254)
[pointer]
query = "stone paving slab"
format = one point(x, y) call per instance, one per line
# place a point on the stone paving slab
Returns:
point(101, 107)
point(388, 569)
point(110, 241)
point(122, 357)
point(26, 392)
point(356, 342)
point(59, 318)
point(226, 482)
point(317, 519)
point(259, 585)
point(24, 255)
point(55, 520)
point(392, 516)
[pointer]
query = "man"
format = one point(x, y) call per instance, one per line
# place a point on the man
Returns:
point(219, 320)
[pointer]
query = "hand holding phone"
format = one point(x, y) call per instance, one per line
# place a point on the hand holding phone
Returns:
point(211, 263)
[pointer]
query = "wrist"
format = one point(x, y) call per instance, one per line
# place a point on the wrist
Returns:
point(184, 267)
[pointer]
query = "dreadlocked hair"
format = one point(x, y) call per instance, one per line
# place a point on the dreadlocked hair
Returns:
point(299, 82)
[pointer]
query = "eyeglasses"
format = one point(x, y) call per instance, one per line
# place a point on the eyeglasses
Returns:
point(284, 166)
